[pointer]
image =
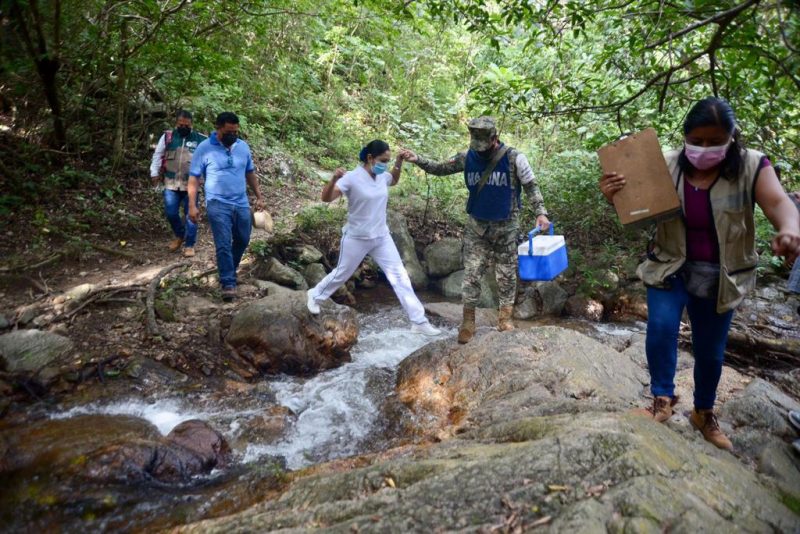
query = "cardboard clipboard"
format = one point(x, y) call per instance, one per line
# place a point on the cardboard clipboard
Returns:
point(649, 193)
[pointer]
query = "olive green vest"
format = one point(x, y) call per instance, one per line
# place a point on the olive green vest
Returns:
point(178, 157)
point(732, 203)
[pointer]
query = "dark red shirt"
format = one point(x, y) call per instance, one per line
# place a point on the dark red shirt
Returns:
point(701, 237)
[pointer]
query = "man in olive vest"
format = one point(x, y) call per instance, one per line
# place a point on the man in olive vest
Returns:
point(494, 175)
point(170, 166)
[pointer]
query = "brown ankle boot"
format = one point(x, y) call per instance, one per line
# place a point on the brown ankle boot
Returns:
point(504, 322)
point(706, 422)
point(467, 328)
point(661, 410)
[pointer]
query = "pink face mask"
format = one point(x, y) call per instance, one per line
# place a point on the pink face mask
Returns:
point(705, 158)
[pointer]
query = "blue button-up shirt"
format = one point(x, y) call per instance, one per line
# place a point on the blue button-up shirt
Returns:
point(224, 170)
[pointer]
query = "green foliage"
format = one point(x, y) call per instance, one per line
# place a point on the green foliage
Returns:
point(319, 217)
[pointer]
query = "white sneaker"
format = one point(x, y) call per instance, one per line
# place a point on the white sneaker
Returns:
point(313, 307)
point(425, 328)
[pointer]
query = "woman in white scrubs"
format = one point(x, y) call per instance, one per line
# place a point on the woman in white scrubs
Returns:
point(367, 190)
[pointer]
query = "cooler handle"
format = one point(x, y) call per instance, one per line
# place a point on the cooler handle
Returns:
point(534, 232)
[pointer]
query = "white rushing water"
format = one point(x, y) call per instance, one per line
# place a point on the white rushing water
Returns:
point(334, 410)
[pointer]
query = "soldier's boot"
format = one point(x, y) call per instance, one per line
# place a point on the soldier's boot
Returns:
point(467, 328)
point(504, 322)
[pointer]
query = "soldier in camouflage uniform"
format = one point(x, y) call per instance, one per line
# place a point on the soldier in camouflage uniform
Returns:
point(493, 205)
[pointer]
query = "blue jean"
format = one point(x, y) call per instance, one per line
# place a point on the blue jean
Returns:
point(173, 200)
point(709, 336)
point(231, 228)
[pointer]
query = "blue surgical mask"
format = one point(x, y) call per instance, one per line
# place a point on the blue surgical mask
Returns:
point(378, 167)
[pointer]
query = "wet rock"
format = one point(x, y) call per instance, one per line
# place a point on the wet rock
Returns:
point(626, 304)
point(582, 472)
point(584, 308)
point(274, 271)
point(202, 440)
point(31, 351)
point(277, 334)
point(191, 306)
point(443, 257)
point(61, 441)
point(541, 298)
point(267, 427)
point(442, 383)
point(192, 448)
point(405, 245)
point(307, 254)
point(450, 286)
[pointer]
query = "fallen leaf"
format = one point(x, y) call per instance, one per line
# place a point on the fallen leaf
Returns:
point(389, 482)
point(123, 243)
point(557, 487)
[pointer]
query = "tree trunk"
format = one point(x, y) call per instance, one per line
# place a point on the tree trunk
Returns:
point(122, 97)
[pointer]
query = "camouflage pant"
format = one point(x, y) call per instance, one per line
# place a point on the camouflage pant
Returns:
point(487, 243)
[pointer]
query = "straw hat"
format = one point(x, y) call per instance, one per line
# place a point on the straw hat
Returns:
point(262, 220)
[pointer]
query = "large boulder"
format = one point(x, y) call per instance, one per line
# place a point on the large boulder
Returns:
point(34, 353)
point(450, 286)
point(277, 334)
point(274, 271)
point(541, 298)
point(398, 227)
point(443, 257)
point(585, 472)
point(500, 372)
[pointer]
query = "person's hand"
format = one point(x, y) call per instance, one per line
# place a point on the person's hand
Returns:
point(155, 180)
point(259, 204)
point(408, 156)
point(610, 184)
point(194, 213)
point(338, 173)
point(543, 223)
point(787, 244)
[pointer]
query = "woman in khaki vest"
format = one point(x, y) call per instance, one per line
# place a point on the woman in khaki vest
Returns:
point(705, 260)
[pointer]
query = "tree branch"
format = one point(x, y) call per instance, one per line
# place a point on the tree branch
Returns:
point(722, 17)
point(163, 16)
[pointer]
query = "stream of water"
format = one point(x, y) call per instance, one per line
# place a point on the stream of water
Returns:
point(335, 410)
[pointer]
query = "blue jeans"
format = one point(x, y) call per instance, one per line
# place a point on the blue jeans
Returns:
point(173, 200)
point(231, 228)
point(709, 336)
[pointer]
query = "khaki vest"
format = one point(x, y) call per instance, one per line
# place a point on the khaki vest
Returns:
point(178, 158)
point(732, 208)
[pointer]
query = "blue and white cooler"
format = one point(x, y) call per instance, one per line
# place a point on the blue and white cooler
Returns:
point(542, 257)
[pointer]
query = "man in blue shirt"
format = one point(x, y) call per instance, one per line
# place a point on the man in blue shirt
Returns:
point(227, 165)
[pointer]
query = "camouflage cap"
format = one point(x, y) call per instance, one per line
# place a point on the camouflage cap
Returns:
point(481, 131)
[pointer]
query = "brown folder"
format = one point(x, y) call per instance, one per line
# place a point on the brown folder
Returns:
point(649, 193)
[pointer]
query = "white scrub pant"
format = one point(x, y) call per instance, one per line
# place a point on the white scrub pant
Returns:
point(383, 250)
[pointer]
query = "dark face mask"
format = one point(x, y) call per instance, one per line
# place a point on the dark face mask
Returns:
point(184, 131)
point(485, 154)
point(229, 139)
